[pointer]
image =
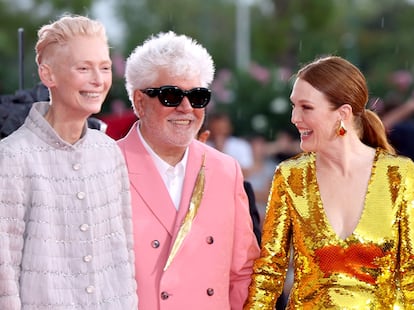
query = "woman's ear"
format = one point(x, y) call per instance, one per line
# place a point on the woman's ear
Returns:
point(46, 75)
point(345, 111)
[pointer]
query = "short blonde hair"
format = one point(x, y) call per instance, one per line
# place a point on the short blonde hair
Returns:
point(65, 28)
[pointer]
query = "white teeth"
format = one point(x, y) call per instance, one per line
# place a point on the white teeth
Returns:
point(182, 122)
point(306, 133)
point(91, 95)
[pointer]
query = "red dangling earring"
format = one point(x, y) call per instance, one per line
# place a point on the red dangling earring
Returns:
point(341, 129)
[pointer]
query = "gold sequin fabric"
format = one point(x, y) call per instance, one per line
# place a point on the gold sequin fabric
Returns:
point(373, 268)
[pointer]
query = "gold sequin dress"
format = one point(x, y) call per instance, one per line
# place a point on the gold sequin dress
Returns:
point(373, 268)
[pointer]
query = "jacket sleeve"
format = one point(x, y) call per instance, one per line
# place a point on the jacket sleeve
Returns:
point(407, 238)
point(126, 205)
point(245, 249)
point(269, 270)
point(12, 226)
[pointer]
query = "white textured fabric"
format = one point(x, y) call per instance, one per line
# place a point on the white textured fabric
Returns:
point(65, 221)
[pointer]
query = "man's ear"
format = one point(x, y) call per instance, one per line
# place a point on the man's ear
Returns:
point(138, 95)
point(46, 75)
point(203, 135)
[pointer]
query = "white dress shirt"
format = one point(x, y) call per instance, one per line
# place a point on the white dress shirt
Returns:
point(173, 176)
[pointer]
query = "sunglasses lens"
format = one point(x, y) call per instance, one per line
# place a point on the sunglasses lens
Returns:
point(170, 96)
point(199, 97)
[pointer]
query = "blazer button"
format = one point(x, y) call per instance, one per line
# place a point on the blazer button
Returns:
point(164, 295)
point(210, 240)
point(210, 291)
point(155, 244)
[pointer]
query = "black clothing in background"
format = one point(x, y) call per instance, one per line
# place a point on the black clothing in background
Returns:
point(254, 213)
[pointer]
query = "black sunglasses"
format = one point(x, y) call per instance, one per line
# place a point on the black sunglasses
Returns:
point(171, 96)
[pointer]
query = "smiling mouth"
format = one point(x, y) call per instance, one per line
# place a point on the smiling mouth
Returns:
point(90, 94)
point(181, 122)
point(305, 133)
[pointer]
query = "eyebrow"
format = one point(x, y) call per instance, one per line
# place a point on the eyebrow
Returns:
point(87, 61)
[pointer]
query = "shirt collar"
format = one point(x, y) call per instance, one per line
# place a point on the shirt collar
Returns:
point(161, 164)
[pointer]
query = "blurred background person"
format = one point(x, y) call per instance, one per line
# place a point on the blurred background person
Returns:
point(286, 144)
point(221, 138)
point(260, 174)
point(397, 115)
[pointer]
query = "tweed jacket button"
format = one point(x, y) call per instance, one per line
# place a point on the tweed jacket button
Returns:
point(90, 289)
point(210, 291)
point(164, 295)
point(87, 258)
point(76, 166)
point(210, 240)
point(155, 244)
point(84, 227)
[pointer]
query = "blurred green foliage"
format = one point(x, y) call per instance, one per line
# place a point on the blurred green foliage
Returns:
point(376, 35)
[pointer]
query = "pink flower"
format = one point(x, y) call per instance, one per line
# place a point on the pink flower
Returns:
point(401, 79)
point(259, 73)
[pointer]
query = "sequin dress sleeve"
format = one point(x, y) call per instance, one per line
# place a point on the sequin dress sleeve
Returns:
point(270, 269)
point(406, 200)
point(370, 269)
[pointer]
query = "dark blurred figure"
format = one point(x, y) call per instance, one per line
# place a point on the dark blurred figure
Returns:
point(14, 108)
point(397, 111)
point(254, 213)
point(401, 137)
point(398, 120)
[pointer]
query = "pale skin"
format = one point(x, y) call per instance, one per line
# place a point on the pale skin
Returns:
point(78, 75)
point(168, 130)
point(343, 163)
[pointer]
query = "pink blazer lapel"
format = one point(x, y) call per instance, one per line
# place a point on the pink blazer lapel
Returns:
point(146, 181)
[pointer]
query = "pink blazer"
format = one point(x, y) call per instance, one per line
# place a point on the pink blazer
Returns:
point(212, 268)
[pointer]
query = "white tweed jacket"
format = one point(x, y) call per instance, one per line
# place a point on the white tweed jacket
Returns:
point(65, 221)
